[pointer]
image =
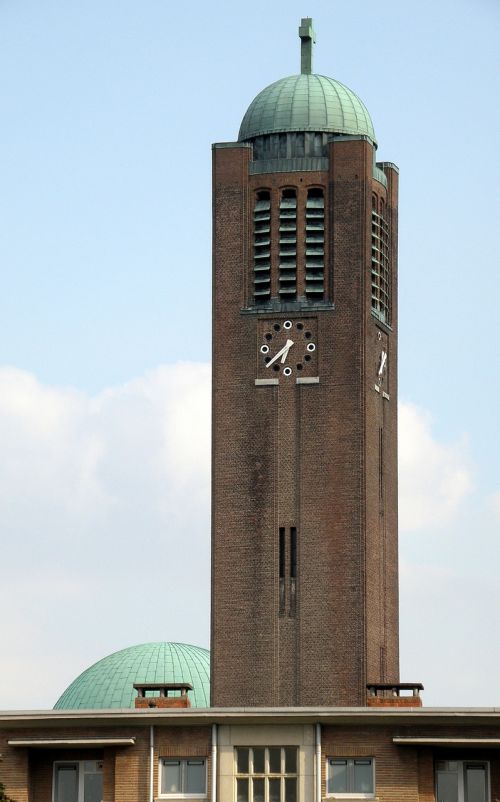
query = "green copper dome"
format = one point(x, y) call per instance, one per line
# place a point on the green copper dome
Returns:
point(306, 102)
point(109, 682)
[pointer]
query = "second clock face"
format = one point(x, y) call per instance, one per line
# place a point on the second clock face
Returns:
point(288, 348)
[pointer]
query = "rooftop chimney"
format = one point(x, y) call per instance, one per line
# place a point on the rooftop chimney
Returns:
point(156, 694)
point(389, 695)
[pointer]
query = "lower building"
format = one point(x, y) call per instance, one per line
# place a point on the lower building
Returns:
point(390, 754)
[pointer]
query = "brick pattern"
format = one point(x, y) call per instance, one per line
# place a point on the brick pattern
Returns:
point(406, 773)
point(303, 455)
point(28, 773)
point(395, 701)
point(396, 768)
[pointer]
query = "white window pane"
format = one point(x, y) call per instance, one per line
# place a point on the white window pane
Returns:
point(447, 787)
point(362, 777)
point(337, 779)
point(290, 789)
point(291, 760)
point(475, 782)
point(67, 783)
point(275, 760)
point(92, 787)
point(242, 790)
point(195, 777)
point(242, 760)
point(258, 761)
point(258, 790)
point(171, 777)
point(274, 790)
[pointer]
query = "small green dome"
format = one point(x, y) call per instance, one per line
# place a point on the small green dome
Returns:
point(109, 682)
point(306, 102)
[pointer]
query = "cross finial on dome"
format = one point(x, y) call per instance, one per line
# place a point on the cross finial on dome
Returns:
point(307, 37)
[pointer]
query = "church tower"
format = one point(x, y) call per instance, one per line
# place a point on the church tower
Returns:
point(304, 532)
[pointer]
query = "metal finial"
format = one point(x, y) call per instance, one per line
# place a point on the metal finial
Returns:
point(308, 37)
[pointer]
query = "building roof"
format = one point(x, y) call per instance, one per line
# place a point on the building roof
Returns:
point(419, 717)
point(306, 102)
point(109, 682)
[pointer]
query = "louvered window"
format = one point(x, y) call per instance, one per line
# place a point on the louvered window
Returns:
point(380, 267)
point(315, 244)
point(262, 247)
point(288, 245)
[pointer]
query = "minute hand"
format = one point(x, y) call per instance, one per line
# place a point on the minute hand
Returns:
point(283, 353)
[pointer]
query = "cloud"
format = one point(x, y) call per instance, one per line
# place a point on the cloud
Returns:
point(434, 477)
point(494, 503)
point(105, 510)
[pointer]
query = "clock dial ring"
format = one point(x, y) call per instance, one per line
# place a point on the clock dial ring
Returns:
point(287, 347)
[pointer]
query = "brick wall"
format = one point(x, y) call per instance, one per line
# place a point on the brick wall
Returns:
point(27, 773)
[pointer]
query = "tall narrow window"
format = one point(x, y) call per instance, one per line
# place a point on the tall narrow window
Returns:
point(381, 465)
point(380, 270)
point(288, 245)
point(293, 571)
point(262, 247)
point(282, 570)
point(315, 244)
point(293, 553)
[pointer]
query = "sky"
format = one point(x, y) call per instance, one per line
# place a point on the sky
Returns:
point(108, 111)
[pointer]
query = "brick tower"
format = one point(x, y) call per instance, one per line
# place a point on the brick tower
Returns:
point(304, 537)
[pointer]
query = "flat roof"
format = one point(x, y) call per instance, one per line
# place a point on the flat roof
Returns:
point(252, 715)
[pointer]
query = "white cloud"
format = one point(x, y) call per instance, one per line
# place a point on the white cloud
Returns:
point(494, 503)
point(434, 477)
point(104, 503)
point(105, 511)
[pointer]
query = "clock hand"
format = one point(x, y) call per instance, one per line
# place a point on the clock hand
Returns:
point(383, 360)
point(283, 353)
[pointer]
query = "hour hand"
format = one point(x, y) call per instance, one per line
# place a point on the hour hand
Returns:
point(283, 353)
point(383, 360)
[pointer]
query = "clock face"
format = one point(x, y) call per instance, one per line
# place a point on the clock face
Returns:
point(288, 348)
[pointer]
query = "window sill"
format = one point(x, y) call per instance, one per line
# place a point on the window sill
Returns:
point(351, 797)
point(179, 797)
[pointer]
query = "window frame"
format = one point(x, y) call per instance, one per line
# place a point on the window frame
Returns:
point(461, 775)
point(183, 763)
point(80, 776)
point(267, 774)
point(351, 794)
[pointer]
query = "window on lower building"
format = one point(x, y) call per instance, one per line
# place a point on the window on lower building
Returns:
point(266, 774)
point(183, 777)
point(350, 777)
point(462, 781)
point(78, 781)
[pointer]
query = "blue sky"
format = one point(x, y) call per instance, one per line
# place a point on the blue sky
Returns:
point(107, 116)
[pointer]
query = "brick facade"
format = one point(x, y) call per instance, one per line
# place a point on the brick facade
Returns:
point(402, 772)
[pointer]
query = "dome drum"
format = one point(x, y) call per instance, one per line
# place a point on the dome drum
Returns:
point(294, 144)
